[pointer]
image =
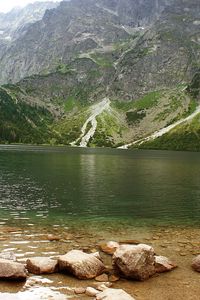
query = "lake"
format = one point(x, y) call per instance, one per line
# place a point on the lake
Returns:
point(87, 196)
point(99, 185)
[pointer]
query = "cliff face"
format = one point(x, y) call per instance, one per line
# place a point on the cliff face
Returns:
point(141, 55)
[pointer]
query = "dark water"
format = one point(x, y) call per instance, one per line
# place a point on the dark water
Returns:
point(62, 185)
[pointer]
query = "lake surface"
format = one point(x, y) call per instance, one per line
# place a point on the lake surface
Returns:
point(58, 185)
point(89, 196)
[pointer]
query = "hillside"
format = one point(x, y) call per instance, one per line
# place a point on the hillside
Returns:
point(142, 56)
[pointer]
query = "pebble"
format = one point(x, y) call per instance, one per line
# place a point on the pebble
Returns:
point(79, 290)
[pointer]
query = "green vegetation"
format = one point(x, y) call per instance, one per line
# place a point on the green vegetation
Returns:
point(22, 123)
point(135, 116)
point(183, 137)
point(148, 101)
point(101, 60)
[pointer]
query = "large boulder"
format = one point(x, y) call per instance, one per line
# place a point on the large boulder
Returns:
point(196, 263)
point(163, 264)
point(81, 265)
point(12, 270)
point(41, 265)
point(135, 261)
point(113, 294)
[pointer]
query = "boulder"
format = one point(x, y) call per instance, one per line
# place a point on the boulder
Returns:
point(12, 270)
point(109, 247)
point(113, 294)
point(163, 264)
point(135, 261)
point(8, 256)
point(41, 265)
point(196, 263)
point(81, 265)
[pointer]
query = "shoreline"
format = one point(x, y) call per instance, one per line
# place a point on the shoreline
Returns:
point(180, 244)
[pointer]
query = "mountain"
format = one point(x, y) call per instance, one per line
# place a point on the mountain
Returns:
point(15, 22)
point(102, 73)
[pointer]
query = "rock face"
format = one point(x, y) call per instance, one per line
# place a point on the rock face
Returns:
point(42, 265)
point(136, 262)
point(163, 264)
point(114, 294)
point(196, 263)
point(12, 270)
point(81, 265)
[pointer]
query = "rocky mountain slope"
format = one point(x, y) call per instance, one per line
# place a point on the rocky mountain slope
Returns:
point(142, 56)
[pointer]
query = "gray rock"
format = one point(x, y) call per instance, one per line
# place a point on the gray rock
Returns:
point(12, 270)
point(113, 294)
point(42, 265)
point(136, 262)
point(81, 265)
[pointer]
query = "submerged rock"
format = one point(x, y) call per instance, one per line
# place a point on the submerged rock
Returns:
point(12, 270)
point(113, 294)
point(163, 264)
point(196, 263)
point(42, 265)
point(109, 247)
point(81, 265)
point(136, 262)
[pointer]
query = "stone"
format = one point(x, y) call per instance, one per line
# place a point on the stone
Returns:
point(113, 294)
point(41, 265)
point(102, 278)
point(103, 286)
point(52, 237)
point(114, 278)
point(12, 270)
point(109, 247)
point(135, 261)
point(132, 242)
point(90, 291)
point(81, 265)
point(8, 256)
point(196, 263)
point(163, 264)
point(79, 290)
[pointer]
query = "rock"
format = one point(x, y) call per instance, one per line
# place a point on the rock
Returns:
point(90, 291)
point(163, 264)
point(114, 278)
point(8, 256)
point(136, 262)
point(109, 247)
point(113, 294)
point(81, 265)
point(52, 237)
point(196, 263)
point(12, 270)
point(41, 265)
point(103, 286)
point(79, 290)
point(102, 278)
point(132, 242)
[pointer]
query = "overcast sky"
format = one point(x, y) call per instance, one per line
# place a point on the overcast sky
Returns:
point(6, 5)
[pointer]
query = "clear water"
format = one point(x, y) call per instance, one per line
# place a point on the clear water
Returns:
point(61, 185)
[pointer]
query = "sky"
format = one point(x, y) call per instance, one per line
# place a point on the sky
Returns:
point(7, 5)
